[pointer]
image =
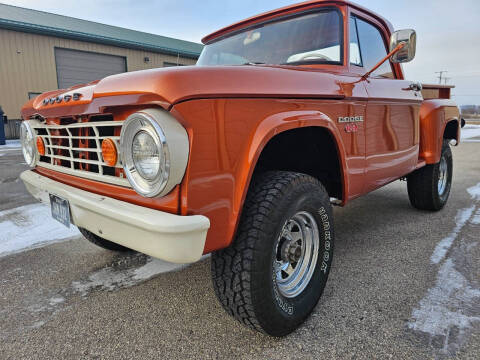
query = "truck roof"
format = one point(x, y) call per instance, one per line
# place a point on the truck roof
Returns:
point(292, 9)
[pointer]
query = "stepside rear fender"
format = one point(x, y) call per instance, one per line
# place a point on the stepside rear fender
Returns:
point(435, 114)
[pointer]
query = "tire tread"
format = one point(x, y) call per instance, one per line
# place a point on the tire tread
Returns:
point(422, 185)
point(232, 267)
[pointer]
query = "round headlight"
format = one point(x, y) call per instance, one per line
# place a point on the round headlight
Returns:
point(146, 155)
point(28, 143)
point(154, 151)
point(146, 158)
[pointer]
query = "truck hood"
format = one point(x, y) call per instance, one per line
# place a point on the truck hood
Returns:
point(168, 86)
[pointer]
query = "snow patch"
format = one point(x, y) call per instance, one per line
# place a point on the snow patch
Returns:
point(56, 300)
point(110, 278)
point(445, 307)
point(474, 192)
point(37, 324)
point(29, 227)
point(476, 218)
point(463, 215)
point(16, 144)
point(470, 131)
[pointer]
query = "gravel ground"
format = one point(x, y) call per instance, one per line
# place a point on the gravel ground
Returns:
point(405, 284)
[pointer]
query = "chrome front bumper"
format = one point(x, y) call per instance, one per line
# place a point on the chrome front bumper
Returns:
point(174, 238)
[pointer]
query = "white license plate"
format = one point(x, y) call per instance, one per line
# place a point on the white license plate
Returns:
point(60, 210)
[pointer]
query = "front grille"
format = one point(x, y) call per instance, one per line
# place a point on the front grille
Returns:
point(75, 148)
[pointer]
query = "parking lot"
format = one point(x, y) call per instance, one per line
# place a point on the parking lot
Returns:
point(405, 284)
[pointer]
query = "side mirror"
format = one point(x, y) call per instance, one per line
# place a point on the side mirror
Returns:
point(407, 53)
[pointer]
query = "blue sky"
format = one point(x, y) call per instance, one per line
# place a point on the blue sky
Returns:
point(448, 31)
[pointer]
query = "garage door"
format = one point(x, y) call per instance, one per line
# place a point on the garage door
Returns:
point(78, 67)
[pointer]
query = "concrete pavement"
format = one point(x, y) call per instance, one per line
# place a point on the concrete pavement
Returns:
point(405, 284)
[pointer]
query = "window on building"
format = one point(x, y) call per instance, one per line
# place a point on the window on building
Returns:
point(373, 48)
point(33, 95)
point(170, 64)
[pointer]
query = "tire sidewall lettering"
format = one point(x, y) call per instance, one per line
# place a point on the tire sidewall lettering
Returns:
point(285, 305)
point(325, 228)
point(327, 238)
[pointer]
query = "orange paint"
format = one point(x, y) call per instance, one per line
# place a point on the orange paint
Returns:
point(434, 116)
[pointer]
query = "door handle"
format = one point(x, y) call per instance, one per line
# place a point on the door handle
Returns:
point(415, 86)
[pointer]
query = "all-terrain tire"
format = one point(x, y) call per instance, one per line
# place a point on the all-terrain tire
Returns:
point(429, 187)
point(103, 243)
point(244, 275)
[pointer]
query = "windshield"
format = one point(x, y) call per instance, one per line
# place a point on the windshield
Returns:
point(313, 38)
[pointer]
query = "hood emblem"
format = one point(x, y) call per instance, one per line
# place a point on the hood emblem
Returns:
point(60, 98)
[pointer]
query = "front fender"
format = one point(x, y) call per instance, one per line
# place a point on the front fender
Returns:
point(285, 121)
point(227, 137)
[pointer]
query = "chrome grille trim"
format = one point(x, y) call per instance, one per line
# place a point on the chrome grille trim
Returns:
point(69, 155)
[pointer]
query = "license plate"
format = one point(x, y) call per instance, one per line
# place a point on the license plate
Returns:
point(60, 210)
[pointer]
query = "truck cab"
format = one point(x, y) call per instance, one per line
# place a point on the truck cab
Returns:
point(243, 155)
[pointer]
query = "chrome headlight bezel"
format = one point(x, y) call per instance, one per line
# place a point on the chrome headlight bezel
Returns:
point(137, 122)
point(27, 139)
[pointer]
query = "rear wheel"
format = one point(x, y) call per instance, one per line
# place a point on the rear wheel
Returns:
point(274, 273)
point(103, 243)
point(429, 187)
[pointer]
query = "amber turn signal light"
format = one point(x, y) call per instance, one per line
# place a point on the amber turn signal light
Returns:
point(109, 152)
point(40, 146)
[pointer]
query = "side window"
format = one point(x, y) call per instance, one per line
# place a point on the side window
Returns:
point(355, 57)
point(373, 49)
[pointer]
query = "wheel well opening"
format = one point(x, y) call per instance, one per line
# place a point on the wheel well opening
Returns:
point(309, 150)
point(451, 130)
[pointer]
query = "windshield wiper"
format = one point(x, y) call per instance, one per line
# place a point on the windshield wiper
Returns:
point(253, 63)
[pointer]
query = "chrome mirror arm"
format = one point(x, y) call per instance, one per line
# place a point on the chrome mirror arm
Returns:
point(389, 55)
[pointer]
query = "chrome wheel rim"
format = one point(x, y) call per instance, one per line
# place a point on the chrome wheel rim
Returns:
point(442, 176)
point(296, 254)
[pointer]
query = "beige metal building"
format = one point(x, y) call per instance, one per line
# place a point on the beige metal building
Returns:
point(41, 51)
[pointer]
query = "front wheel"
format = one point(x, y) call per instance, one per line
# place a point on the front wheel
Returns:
point(429, 187)
point(274, 273)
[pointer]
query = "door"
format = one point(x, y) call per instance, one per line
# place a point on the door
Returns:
point(79, 67)
point(392, 123)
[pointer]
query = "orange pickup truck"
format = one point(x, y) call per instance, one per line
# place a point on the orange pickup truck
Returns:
point(243, 155)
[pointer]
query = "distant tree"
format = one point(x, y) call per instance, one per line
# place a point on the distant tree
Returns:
point(470, 110)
